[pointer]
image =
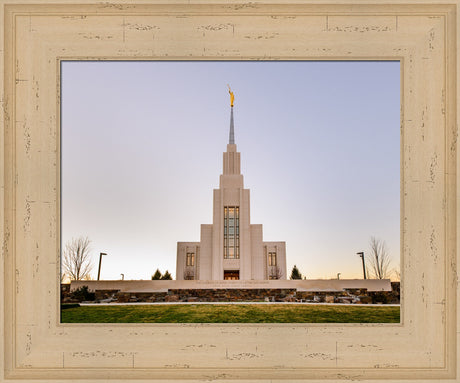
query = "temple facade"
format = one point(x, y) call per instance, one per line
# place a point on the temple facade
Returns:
point(231, 247)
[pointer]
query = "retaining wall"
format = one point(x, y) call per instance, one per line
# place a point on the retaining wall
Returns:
point(247, 295)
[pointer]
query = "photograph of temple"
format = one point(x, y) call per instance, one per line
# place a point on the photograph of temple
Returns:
point(320, 185)
point(231, 248)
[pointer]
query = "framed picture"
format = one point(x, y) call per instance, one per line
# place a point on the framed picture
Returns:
point(38, 37)
point(317, 146)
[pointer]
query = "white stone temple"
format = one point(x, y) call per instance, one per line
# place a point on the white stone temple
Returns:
point(231, 248)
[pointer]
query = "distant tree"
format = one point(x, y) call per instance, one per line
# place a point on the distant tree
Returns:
point(379, 259)
point(295, 273)
point(76, 261)
point(166, 275)
point(157, 275)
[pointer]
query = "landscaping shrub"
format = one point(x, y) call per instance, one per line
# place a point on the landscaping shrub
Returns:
point(83, 294)
point(379, 297)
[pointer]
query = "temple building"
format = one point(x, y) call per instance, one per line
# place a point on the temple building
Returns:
point(231, 247)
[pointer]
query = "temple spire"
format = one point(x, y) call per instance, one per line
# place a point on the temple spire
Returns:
point(231, 139)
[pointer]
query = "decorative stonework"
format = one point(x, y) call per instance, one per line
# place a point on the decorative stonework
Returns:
point(357, 296)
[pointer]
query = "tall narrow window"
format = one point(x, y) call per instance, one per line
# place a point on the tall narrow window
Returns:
point(190, 260)
point(231, 232)
point(271, 259)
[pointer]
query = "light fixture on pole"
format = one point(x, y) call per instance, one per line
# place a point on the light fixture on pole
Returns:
point(361, 254)
point(99, 270)
point(338, 275)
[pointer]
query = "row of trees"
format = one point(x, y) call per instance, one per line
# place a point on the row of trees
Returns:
point(164, 276)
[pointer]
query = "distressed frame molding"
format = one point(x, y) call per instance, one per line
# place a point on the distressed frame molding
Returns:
point(37, 36)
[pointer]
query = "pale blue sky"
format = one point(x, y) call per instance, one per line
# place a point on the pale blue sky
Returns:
point(142, 147)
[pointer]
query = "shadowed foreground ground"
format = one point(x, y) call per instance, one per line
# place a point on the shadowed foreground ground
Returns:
point(241, 313)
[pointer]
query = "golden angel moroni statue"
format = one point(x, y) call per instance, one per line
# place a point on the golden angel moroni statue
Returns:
point(232, 97)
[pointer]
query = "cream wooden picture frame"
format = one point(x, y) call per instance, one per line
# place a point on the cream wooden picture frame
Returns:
point(37, 35)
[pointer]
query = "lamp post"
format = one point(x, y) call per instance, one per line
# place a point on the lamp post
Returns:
point(338, 275)
point(99, 270)
point(361, 254)
point(122, 276)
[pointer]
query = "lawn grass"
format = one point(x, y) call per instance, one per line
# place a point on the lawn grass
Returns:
point(241, 313)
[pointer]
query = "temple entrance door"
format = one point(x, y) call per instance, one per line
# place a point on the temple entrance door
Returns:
point(231, 275)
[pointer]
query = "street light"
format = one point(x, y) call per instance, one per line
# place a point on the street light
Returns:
point(122, 276)
point(338, 275)
point(361, 254)
point(99, 270)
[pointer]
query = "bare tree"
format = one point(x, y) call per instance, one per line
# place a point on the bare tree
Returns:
point(397, 273)
point(379, 259)
point(76, 261)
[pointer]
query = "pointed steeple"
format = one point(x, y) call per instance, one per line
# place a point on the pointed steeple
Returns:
point(231, 139)
point(231, 156)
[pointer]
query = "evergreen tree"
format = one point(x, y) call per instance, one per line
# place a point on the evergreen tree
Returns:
point(166, 275)
point(157, 275)
point(295, 273)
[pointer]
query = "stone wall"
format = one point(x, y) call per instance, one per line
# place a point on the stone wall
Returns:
point(141, 297)
point(298, 284)
point(231, 295)
point(359, 296)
